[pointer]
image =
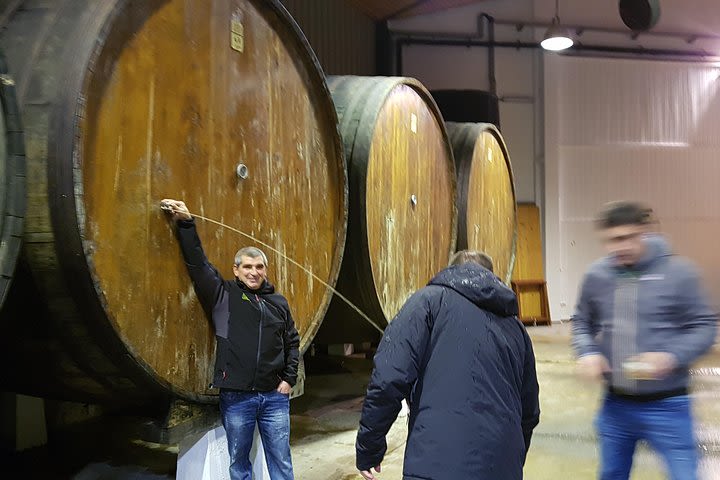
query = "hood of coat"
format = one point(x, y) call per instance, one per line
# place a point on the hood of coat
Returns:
point(480, 286)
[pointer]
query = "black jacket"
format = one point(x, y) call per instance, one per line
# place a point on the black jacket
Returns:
point(257, 342)
point(458, 353)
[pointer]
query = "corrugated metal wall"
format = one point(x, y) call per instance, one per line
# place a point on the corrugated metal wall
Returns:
point(630, 130)
point(343, 38)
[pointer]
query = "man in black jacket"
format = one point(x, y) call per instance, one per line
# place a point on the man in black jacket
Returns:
point(458, 353)
point(257, 349)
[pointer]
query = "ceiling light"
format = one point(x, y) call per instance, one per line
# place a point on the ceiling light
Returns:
point(556, 37)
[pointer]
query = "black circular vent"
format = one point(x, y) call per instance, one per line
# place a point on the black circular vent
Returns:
point(640, 15)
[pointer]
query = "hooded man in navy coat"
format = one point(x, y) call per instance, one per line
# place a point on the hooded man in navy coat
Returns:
point(458, 353)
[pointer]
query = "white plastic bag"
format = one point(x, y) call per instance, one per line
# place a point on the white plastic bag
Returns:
point(208, 458)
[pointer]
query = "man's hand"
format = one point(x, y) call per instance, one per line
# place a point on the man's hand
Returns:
point(176, 208)
point(368, 475)
point(659, 364)
point(593, 367)
point(284, 388)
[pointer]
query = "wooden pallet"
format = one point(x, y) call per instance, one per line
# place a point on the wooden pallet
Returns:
point(531, 295)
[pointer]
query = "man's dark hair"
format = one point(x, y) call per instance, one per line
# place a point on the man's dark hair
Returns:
point(466, 256)
point(617, 214)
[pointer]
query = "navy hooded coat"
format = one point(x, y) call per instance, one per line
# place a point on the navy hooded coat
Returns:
point(466, 365)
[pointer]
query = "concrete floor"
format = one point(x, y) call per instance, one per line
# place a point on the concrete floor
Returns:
point(324, 424)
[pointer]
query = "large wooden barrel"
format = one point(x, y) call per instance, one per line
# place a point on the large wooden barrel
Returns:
point(12, 180)
point(487, 218)
point(220, 103)
point(402, 215)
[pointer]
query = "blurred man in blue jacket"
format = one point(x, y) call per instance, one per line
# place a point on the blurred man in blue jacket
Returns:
point(640, 322)
point(457, 351)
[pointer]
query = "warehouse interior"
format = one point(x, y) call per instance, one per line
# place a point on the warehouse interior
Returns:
point(470, 136)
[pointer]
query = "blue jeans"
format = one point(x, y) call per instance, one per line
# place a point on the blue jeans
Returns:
point(665, 424)
point(271, 410)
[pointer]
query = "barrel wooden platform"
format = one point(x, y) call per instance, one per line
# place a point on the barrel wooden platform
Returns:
point(219, 103)
point(12, 179)
point(487, 218)
point(402, 216)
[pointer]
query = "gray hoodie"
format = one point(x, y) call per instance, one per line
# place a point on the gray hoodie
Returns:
point(655, 306)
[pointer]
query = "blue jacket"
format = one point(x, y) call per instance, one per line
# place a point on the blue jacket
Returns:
point(668, 313)
point(458, 353)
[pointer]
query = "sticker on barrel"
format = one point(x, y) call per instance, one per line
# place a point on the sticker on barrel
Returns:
point(237, 32)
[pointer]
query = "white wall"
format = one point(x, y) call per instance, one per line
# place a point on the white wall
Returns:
point(630, 129)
